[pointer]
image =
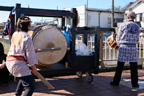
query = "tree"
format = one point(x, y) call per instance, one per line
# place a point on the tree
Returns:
point(117, 8)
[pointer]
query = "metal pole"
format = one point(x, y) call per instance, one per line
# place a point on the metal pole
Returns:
point(99, 18)
point(112, 20)
point(87, 12)
point(18, 11)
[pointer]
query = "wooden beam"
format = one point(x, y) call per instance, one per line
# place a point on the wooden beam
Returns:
point(107, 29)
point(45, 12)
point(5, 8)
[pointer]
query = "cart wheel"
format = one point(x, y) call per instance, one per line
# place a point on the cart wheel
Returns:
point(79, 74)
point(89, 77)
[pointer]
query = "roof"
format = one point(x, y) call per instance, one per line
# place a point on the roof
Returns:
point(132, 4)
point(127, 6)
point(104, 10)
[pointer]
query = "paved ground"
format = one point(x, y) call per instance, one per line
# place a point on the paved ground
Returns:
point(74, 86)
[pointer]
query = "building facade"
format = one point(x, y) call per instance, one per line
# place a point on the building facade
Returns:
point(92, 17)
point(138, 8)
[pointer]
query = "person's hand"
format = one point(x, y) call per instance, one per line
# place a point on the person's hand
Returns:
point(34, 70)
point(36, 50)
point(2, 65)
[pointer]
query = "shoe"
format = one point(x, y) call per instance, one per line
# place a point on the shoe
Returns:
point(135, 88)
point(113, 84)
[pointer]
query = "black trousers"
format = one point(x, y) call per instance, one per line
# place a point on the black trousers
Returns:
point(27, 83)
point(134, 73)
point(4, 75)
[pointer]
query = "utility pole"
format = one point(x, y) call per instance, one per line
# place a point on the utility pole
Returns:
point(112, 19)
point(87, 13)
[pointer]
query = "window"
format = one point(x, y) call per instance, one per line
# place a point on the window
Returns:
point(109, 20)
point(115, 20)
point(118, 20)
point(139, 17)
point(142, 16)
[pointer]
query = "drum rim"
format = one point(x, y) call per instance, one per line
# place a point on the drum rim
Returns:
point(35, 32)
point(111, 37)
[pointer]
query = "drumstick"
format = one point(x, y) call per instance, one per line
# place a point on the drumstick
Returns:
point(47, 49)
point(44, 81)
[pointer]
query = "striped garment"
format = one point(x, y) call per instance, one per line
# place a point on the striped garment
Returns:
point(127, 38)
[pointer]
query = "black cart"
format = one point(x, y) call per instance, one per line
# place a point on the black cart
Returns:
point(78, 64)
point(86, 64)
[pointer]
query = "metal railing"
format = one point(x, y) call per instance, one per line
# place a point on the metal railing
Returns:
point(111, 54)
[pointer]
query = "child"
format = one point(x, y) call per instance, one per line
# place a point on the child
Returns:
point(21, 54)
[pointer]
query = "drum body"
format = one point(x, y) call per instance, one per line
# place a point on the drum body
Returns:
point(111, 42)
point(51, 43)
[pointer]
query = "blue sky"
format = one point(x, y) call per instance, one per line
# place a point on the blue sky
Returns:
point(60, 4)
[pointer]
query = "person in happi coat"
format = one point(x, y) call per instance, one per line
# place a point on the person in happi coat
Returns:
point(21, 55)
point(127, 38)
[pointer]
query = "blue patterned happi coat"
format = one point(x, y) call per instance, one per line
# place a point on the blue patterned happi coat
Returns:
point(127, 38)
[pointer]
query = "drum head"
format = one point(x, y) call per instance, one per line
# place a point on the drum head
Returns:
point(49, 37)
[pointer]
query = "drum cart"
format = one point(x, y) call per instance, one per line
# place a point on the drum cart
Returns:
point(77, 64)
point(72, 63)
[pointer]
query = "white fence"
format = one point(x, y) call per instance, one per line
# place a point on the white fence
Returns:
point(108, 54)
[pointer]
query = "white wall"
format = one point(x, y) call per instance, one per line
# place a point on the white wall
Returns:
point(82, 16)
point(139, 8)
point(94, 19)
point(104, 20)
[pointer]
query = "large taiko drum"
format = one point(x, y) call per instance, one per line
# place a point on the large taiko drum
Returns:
point(111, 42)
point(50, 43)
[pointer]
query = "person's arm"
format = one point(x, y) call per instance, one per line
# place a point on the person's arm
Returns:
point(2, 65)
point(34, 70)
point(31, 56)
point(118, 36)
